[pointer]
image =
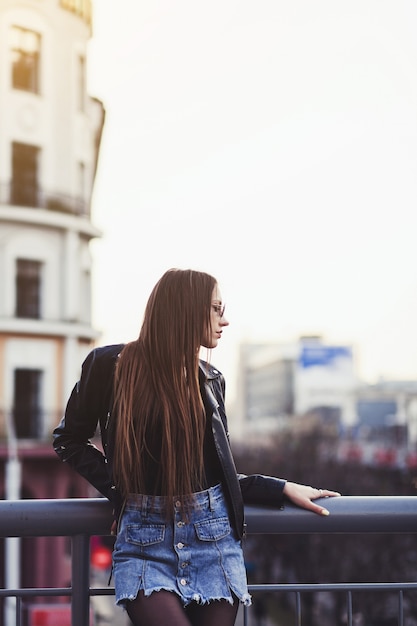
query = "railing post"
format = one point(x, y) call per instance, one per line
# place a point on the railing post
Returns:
point(80, 601)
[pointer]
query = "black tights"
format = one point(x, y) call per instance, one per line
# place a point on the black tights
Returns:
point(164, 608)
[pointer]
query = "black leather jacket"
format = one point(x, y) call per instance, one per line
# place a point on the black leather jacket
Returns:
point(89, 406)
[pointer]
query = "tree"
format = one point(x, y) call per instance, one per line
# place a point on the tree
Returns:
point(305, 454)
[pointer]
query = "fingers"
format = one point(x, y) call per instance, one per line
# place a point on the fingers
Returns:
point(304, 496)
point(323, 493)
point(326, 493)
point(322, 511)
point(315, 508)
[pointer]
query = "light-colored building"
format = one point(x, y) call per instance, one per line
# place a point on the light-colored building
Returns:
point(325, 380)
point(50, 132)
point(277, 381)
point(265, 387)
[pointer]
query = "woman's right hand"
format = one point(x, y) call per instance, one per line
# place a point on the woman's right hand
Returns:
point(303, 496)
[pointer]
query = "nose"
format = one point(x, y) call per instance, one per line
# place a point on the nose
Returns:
point(224, 321)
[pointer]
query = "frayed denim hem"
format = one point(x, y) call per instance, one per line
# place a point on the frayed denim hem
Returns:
point(246, 599)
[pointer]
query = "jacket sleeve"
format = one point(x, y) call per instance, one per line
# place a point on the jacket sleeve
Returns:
point(258, 489)
point(88, 406)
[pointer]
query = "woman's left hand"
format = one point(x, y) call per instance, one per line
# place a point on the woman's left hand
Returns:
point(303, 496)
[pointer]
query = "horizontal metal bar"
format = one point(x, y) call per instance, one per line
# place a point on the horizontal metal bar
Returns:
point(54, 518)
point(30, 592)
point(316, 587)
point(92, 516)
point(65, 592)
point(284, 587)
point(348, 514)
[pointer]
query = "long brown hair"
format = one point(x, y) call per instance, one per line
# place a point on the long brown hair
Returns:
point(157, 388)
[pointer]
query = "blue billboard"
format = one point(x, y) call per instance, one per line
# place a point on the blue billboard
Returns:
point(323, 356)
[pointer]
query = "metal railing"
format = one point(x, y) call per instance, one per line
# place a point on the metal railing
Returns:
point(79, 519)
point(36, 197)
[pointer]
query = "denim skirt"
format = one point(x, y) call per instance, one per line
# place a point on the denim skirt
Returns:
point(196, 555)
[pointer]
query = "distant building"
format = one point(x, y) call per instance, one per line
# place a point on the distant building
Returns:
point(276, 381)
point(325, 380)
point(377, 423)
point(265, 386)
point(387, 422)
point(50, 132)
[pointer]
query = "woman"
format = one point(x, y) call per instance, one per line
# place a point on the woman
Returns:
point(167, 464)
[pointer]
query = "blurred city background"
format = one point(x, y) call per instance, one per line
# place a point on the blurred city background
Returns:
point(271, 144)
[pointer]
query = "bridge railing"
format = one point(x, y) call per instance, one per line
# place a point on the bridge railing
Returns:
point(79, 519)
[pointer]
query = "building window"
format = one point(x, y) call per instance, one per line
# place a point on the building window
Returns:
point(27, 403)
point(26, 47)
point(25, 160)
point(28, 288)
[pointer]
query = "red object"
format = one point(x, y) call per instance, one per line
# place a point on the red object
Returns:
point(385, 456)
point(101, 557)
point(50, 616)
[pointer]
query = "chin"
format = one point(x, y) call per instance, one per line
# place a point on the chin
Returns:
point(209, 345)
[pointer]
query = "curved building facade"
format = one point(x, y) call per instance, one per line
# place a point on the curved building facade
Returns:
point(50, 133)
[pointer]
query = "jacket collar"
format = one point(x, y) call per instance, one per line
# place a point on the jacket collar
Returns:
point(208, 371)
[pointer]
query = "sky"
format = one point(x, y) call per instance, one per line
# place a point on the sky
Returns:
point(272, 144)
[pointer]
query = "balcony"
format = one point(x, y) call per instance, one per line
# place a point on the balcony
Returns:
point(79, 519)
point(35, 197)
